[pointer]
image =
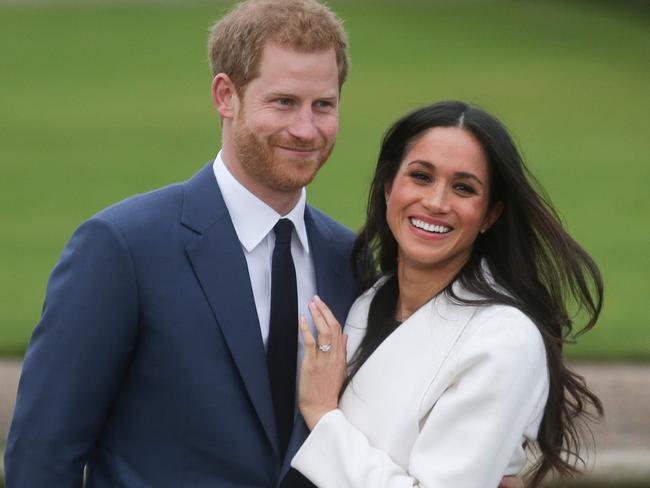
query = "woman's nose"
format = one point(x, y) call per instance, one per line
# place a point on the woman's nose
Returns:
point(436, 199)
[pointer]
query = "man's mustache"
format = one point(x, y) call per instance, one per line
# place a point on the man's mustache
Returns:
point(298, 144)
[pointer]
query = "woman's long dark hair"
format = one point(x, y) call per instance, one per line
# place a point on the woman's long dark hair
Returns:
point(537, 266)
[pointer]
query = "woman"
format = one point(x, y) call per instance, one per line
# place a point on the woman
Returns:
point(455, 352)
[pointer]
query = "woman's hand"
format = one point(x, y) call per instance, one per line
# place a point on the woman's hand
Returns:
point(323, 369)
point(511, 482)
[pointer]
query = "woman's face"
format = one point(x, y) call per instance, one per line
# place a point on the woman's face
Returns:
point(439, 200)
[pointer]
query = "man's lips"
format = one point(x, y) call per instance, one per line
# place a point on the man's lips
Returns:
point(300, 149)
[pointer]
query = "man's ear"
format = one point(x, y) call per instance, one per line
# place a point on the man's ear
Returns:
point(224, 96)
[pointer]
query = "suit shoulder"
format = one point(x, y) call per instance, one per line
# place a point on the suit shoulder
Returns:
point(145, 217)
point(340, 231)
point(144, 205)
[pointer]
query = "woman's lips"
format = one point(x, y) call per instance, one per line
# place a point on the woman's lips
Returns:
point(430, 226)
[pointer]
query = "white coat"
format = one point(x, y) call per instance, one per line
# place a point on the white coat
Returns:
point(446, 401)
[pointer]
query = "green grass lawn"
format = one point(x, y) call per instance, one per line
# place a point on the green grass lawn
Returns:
point(100, 102)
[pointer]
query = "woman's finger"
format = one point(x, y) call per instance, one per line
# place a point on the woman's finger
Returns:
point(327, 314)
point(324, 332)
point(344, 343)
point(334, 327)
point(307, 337)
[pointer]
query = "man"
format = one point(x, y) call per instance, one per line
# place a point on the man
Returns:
point(153, 363)
point(157, 357)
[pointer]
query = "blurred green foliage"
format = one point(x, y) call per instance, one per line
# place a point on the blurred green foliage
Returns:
point(99, 102)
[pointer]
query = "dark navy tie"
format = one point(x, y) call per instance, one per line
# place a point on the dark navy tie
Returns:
point(282, 344)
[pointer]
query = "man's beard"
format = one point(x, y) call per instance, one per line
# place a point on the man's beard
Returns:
point(263, 164)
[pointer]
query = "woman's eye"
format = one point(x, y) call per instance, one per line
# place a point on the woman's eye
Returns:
point(420, 176)
point(464, 188)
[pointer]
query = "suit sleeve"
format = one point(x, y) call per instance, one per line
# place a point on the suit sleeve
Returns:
point(75, 361)
point(466, 440)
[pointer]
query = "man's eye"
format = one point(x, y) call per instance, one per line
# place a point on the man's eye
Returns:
point(325, 104)
point(285, 102)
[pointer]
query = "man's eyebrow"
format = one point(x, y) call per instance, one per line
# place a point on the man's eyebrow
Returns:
point(280, 94)
point(458, 174)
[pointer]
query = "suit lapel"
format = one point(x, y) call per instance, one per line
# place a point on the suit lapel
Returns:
point(333, 272)
point(220, 266)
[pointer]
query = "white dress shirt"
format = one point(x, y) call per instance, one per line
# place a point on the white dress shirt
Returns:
point(254, 220)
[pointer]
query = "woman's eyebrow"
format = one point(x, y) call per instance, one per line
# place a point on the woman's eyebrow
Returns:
point(471, 176)
point(457, 174)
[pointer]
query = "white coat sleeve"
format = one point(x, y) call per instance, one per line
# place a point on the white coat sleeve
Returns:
point(496, 396)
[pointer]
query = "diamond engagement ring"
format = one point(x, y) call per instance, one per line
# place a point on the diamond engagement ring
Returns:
point(325, 347)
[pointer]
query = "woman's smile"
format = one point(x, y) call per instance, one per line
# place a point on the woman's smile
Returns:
point(439, 201)
point(429, 228)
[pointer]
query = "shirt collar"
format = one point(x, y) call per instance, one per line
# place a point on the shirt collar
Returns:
point(252, 218)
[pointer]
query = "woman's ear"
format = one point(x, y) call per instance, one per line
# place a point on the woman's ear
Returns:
point(492, 216)
point(388, 187)
point(224, 95)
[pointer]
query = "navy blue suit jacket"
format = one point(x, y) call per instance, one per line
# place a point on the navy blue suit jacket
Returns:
point(147, 365)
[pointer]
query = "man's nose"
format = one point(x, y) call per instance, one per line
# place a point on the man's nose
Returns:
point(303, 126)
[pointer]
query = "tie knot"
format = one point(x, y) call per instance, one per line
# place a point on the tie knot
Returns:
point(283, 231)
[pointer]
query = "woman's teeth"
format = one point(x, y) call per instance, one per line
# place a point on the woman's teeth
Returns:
point(436, 229)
